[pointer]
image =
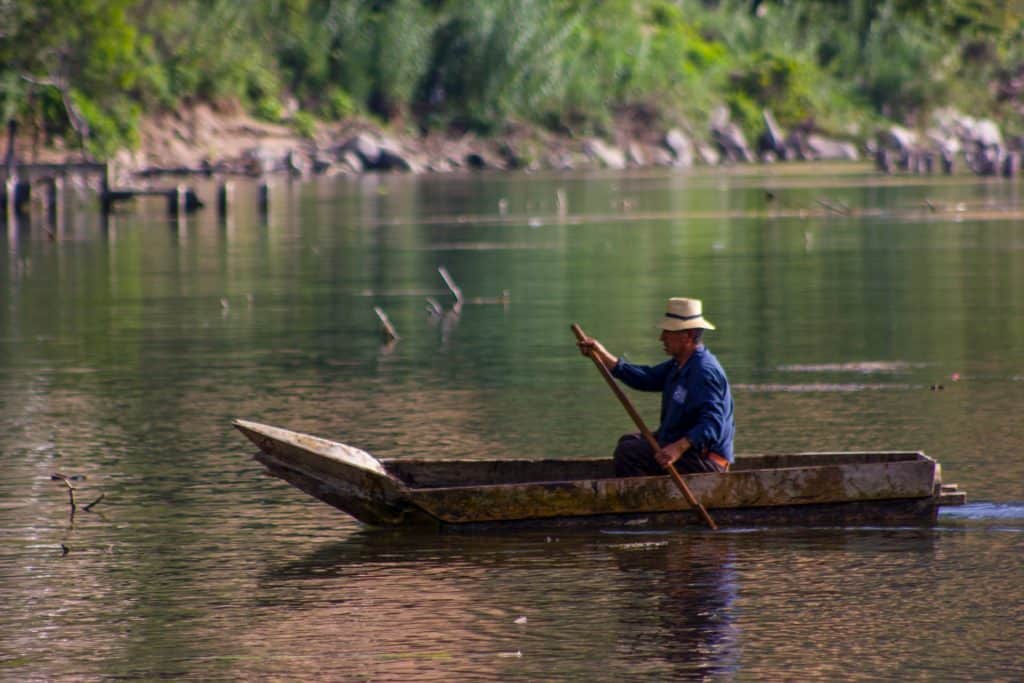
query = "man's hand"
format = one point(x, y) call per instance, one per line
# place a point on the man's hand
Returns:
point(591, 347)
point(672, 452)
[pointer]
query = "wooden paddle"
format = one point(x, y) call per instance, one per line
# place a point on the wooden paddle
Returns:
point(628, 405)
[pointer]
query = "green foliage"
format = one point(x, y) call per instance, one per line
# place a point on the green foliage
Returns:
point(110, 126)
point(304, 124)
point(777, 82)
point(338, 104)
point(493, 59)
point(93, 65)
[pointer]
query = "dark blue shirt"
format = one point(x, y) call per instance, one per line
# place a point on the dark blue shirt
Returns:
point(695, 400)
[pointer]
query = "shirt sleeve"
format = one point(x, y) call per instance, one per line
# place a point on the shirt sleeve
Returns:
point(642, 377)
point(711, 401)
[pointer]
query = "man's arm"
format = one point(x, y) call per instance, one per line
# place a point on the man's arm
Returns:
point(641, 377)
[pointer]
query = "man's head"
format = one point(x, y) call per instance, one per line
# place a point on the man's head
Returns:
point(682, 327)
point(681, 343)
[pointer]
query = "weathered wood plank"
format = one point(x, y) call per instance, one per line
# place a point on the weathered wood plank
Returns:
point(750, 488)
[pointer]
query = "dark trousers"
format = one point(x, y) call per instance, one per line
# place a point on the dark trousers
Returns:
point(635, 458)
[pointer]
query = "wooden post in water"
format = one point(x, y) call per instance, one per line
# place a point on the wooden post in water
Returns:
point(106, 201)
point(9, 163)
point(14, 193)
point(225, 195)
point(176, 199)
point(264, 198)
point(1011, 164)
point(54, 199)
point(11, 199)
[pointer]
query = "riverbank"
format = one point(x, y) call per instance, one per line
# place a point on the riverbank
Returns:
point(227, 141)
point(203, 139)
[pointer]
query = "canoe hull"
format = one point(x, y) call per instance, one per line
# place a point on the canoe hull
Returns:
point(830, 489)
point(921, 512)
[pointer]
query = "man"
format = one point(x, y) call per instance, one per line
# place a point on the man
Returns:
point(697, 429)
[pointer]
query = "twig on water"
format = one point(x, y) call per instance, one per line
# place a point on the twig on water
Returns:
point(433, 307)
point(385, 324)
point(503, 300)
point(88, 507)
point(56, 476)
point(456, 291)
point(842, 209)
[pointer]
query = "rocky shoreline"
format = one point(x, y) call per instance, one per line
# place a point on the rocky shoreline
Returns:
point(202, 140)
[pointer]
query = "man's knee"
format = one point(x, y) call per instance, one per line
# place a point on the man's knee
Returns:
point(633, 456)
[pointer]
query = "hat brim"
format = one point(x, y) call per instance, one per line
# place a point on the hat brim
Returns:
point(676, 325)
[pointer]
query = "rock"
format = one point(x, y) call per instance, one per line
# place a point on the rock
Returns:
point(376, 153)
point(708, 154)
point(364, 146)
point(1011, 164)
point(986, 160)
point(681, 147)
point(659, 156)
point(728, 136)
point(635, 155)
point(986, 133)
point(513, 159)
point(351, 161)
point(442, 165)
point(772, 139)
point(732, 143)
point(296, 163)
point(322, 163)
point(258, 161)
point(392, 159)
point(606, 155)
point(898, 138)
point(883, 159)
point(823, 148)
point(476, 161)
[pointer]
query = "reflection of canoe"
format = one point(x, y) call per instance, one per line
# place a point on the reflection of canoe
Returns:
point(806, 488)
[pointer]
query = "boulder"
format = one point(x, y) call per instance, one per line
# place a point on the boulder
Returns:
point(732, 142)
point(604, 154)
point(351, 161)
point(392, 159)
point(635, 155)
point(773, 139)
point(259, 160)
point(364, 146)
point(659, 156)
point(986, 134)
point(377, 153)
point(826, 149)
point(898, 138)
point(681, 147)
point(476, 161)
point(708, 154)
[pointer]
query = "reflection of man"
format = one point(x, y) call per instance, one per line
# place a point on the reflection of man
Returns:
point(689, 591)
point(697, 429)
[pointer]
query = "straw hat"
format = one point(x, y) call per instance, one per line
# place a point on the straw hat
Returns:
point(684, 314)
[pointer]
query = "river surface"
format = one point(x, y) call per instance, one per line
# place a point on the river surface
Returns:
point(854, 312)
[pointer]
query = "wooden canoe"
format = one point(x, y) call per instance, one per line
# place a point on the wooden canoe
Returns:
point(826, 489)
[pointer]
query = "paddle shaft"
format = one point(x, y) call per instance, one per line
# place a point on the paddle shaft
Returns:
point(639, 422)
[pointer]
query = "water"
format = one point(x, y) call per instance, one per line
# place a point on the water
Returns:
point(854, 312)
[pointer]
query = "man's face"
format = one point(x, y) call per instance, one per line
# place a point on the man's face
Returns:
point(676, 343)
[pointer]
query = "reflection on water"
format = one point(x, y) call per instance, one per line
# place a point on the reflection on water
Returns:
point(126, 348)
